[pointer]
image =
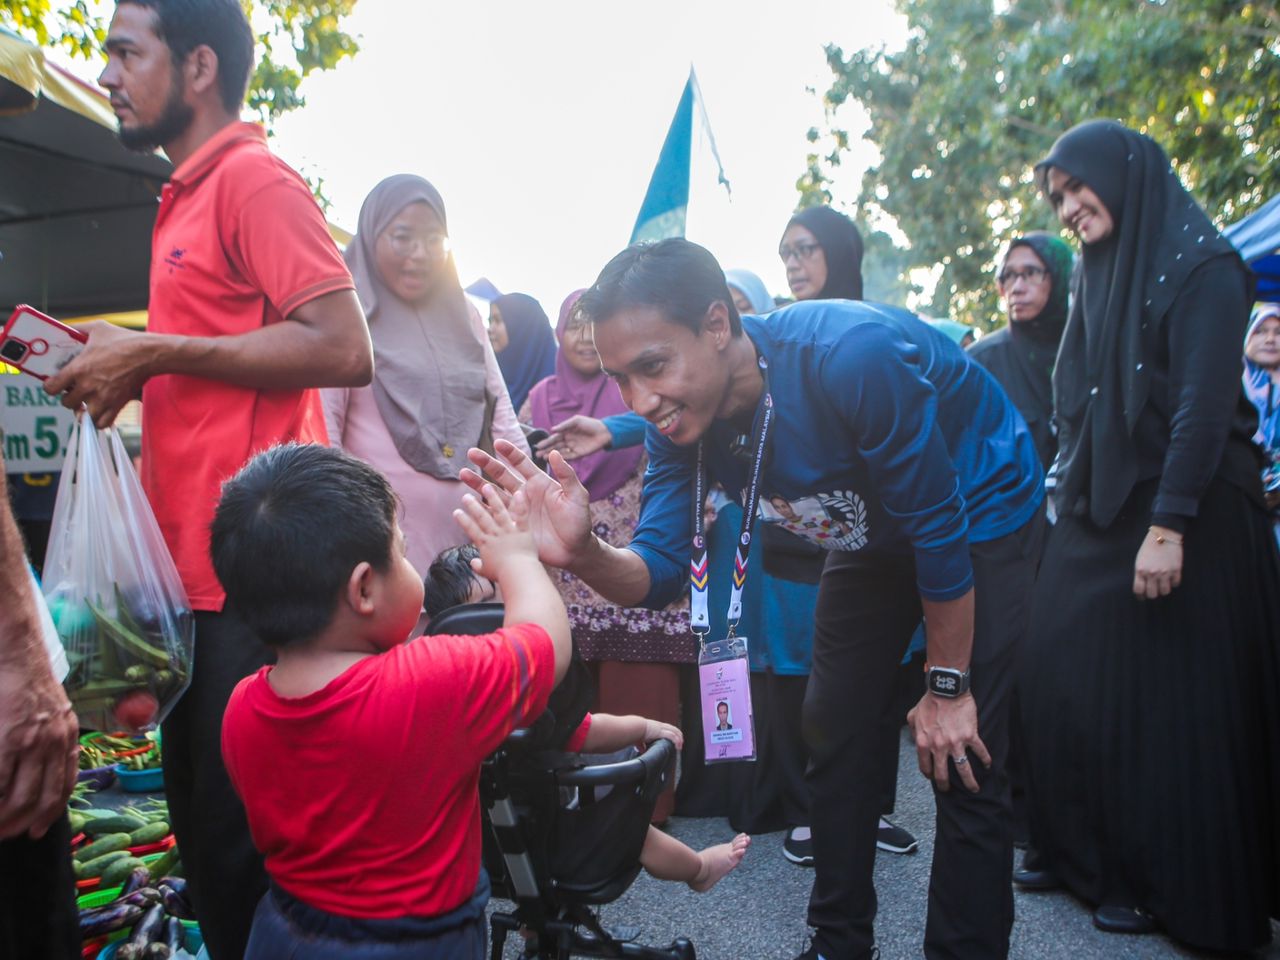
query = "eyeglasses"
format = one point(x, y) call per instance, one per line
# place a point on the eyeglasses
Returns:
point(1029, 274)
point(801, 251)
point(578, 326)
point(403, 243)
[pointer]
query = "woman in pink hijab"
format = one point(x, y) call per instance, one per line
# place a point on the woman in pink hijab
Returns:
point(436, 389)
point(635, 651)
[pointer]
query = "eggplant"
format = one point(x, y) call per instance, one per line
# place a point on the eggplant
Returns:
point(149, 928)
point(175, 903)
point(175, 935)
point(142, 897)
point(108, 919)
point(140, 877)
point(176, 883)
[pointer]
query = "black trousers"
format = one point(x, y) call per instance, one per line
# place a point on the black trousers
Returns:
point(868, 607)
point(224, 873)
point(38, 916)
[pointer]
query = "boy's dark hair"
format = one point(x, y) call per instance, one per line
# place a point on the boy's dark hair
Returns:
point(289, 529)
point(449, 579)
point(220, 25)
point(675, 276)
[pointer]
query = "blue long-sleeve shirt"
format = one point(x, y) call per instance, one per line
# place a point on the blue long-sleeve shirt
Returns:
point(886, 437)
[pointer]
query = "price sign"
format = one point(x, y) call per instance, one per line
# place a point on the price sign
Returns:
point(34, 426)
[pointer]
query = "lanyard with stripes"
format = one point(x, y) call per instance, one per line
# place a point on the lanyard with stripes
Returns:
point(699, 618)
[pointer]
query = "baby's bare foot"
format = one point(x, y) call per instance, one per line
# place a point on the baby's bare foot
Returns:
point(719, 861)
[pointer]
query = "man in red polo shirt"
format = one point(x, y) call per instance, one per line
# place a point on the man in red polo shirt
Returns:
point(251, 309)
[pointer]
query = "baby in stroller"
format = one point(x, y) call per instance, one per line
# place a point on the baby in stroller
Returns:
point(451, 581)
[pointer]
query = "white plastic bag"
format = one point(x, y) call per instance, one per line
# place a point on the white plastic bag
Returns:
point(113, 590)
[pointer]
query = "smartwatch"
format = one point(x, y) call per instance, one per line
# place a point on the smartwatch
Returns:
point(946, 681)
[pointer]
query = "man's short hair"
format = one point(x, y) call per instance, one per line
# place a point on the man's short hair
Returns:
point(677, 277)
point(220, 25)
point(449, 579)
point(289, 529)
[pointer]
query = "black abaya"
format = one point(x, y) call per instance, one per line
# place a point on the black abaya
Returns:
point(1152, 727)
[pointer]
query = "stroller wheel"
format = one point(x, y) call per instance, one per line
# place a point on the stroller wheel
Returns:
point(683, 949)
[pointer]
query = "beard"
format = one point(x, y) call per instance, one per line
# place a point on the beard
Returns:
point(172, 123)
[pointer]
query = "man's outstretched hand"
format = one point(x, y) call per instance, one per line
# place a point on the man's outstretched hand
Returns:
point(559, 506)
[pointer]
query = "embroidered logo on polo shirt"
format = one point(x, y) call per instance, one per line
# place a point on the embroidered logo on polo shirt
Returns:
point(174, 259)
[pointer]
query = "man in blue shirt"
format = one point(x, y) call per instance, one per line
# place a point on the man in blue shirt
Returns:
point(903, 458)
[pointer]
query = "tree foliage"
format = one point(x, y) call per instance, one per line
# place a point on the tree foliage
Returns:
point(294, 38)
point(981, 91)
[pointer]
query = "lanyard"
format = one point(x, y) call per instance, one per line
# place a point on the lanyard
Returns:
point(699, 619)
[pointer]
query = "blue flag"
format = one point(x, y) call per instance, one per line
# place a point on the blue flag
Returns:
point(666, 203)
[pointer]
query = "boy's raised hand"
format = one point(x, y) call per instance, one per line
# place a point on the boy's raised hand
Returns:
point(498, 524)
point(500, 532)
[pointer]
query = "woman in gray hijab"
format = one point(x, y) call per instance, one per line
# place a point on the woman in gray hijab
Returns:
point(436, 389)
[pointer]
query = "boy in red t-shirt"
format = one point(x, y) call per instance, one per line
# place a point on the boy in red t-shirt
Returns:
point(358, 754)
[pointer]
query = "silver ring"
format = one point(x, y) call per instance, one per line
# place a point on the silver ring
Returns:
point(960, 760)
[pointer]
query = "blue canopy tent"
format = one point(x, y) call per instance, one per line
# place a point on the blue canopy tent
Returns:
point(1257, 237)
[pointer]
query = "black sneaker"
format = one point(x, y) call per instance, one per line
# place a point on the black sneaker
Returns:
point(893, 839)
point(799, 852)
point(811, 952)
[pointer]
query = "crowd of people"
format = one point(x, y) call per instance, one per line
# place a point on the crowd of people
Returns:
point(1090, 674)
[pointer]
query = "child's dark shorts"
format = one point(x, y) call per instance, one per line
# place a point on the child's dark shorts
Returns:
point(285, 928)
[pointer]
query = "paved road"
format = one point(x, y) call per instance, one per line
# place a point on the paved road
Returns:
point(758, 912)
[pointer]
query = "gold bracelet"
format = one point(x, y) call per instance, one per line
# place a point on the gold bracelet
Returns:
point(1161, 538)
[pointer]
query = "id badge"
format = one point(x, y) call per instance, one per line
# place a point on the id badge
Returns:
point(728, 726)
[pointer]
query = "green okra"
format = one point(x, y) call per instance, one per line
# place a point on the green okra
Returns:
point(128, 641)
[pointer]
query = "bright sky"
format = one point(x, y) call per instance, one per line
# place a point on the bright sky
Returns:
point(541, 123)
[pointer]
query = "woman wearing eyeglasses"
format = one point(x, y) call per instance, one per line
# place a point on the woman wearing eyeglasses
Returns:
point(822, 252)
point(1034, 277)
point(1150, 673)
point(436, 389)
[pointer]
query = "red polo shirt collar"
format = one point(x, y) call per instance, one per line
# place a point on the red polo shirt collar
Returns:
point(197, 166)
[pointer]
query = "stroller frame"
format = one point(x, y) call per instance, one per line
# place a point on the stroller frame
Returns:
point(520, 790)
point(556, 887)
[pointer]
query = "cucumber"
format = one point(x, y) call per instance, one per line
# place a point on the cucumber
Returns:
point(92, 813)
point(77, 821)
point(165, 865)
point(105, 844)
point(93, 868)
point(120, 823)
point(149, 833)
point(117, 873)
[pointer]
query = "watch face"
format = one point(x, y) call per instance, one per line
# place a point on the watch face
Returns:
point(945, 683)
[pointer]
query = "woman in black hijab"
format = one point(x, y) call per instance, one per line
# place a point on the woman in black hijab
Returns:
point(822, 252)
point(1150, 674)
point(1034, 278)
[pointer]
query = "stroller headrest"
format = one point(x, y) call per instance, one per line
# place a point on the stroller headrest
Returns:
point(467, 619)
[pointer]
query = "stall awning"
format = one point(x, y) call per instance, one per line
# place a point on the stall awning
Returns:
point(76, 207)
point(1257, 237)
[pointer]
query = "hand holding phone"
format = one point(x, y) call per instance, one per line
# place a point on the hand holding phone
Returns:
point(37, 344)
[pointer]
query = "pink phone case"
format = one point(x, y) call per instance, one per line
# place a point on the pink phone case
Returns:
point(38, 344)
